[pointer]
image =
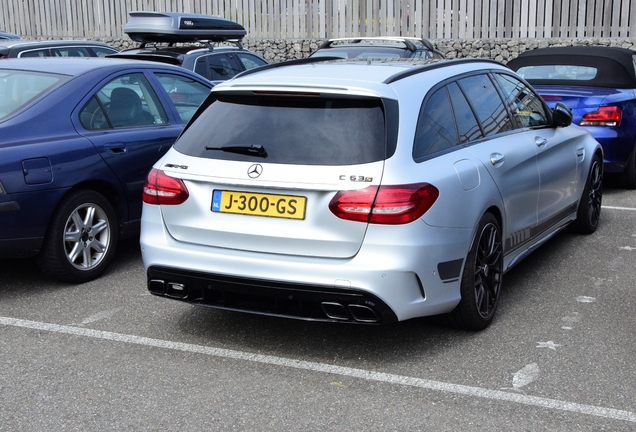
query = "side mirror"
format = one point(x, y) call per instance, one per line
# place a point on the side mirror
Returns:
point(561, 115)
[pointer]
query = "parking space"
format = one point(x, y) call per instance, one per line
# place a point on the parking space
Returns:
point(106, 355)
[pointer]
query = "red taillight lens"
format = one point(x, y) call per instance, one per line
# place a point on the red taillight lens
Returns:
point(604, 116)
point(160, 189)
point(385, 205)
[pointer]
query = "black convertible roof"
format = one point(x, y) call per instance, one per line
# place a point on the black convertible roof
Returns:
point(616, 66)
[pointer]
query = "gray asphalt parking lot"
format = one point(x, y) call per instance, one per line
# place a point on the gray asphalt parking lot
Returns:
point(106, 355)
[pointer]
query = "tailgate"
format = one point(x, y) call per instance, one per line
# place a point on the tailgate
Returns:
point(285, 210)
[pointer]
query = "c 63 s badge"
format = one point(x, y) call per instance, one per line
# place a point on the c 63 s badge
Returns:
point(356, 178)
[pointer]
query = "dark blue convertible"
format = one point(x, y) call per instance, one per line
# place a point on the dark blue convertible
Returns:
point(78, 136)
point(599, 85)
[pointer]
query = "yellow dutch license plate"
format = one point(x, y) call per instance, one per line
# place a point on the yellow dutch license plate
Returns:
point(257, 204)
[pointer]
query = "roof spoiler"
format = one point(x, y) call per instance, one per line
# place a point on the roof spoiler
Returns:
point(171, 27)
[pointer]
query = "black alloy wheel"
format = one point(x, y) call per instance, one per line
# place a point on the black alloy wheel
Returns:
point(589, 213)
point(482, 278)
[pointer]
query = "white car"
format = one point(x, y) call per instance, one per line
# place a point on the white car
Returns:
point(365, 191)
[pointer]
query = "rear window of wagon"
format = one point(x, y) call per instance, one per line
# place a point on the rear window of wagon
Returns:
point(291, 129)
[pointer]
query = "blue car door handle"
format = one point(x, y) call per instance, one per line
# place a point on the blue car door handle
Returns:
point(540, 141)
point(116, 148)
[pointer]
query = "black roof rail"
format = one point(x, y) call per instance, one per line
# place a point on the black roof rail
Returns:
point(302, 61)
point(435, 64)
point(426, 64)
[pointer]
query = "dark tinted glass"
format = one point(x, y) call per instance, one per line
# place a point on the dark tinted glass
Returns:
point(292, 130)
point(525, 104)
point(221, 67)
point(467, 125)
point(435, 126)
point(487, 103)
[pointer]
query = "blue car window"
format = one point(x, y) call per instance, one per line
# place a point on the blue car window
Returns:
point(20, 88)
point(436, 129)
point(185, 93)
point(558, 72)
point(127, 101)
point(484, 99)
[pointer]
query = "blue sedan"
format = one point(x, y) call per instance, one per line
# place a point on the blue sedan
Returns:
point(599, 85)
point(79, 136)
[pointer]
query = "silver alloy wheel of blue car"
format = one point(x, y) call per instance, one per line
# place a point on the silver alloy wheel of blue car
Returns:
point(86, 236)
point(82, 238)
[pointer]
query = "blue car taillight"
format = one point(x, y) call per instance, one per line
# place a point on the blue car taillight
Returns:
point(604, 116)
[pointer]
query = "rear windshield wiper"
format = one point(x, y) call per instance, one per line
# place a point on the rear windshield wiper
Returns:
point(252, 150)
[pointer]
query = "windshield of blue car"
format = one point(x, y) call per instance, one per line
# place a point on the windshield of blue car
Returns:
point(18, 88)
point(558, 72)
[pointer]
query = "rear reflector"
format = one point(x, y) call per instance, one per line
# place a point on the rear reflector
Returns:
point(391, 205)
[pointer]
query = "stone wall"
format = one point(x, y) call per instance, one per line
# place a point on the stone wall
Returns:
point(503, 50)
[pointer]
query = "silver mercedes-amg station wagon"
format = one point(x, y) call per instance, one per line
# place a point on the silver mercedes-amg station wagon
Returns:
point(365, 191)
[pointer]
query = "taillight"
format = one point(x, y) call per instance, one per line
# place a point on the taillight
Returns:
point(160, 189)
point(385, 204)
point(604, 116)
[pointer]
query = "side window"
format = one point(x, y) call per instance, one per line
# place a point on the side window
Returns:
point(221, 67)
point(435, 126)
point(126, 101)
point(524, 103)
point(467, 124)
point(490, 109)
point(36, 53)
point(102, 52)
point(250, 61)
point(201, 67)
point(70, 52)
point(186, 93)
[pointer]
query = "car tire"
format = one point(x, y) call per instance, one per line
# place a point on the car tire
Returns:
point(589, 212)
point(81, 239)
point(629, 174)
point(481, 279)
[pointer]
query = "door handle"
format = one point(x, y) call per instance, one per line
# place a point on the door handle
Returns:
point(540, 141)
point(116, 148)
point(497, 159)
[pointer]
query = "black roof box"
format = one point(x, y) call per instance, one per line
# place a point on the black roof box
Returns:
point(181, 27)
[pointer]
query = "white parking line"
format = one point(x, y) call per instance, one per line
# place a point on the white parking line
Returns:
point(618, 208)
point(325, 368)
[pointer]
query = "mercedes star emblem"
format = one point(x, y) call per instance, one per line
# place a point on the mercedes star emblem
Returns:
point(255, 170)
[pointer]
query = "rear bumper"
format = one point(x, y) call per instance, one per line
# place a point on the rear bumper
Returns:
point(617, 147)
point(414, 271)
point(291, 300)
